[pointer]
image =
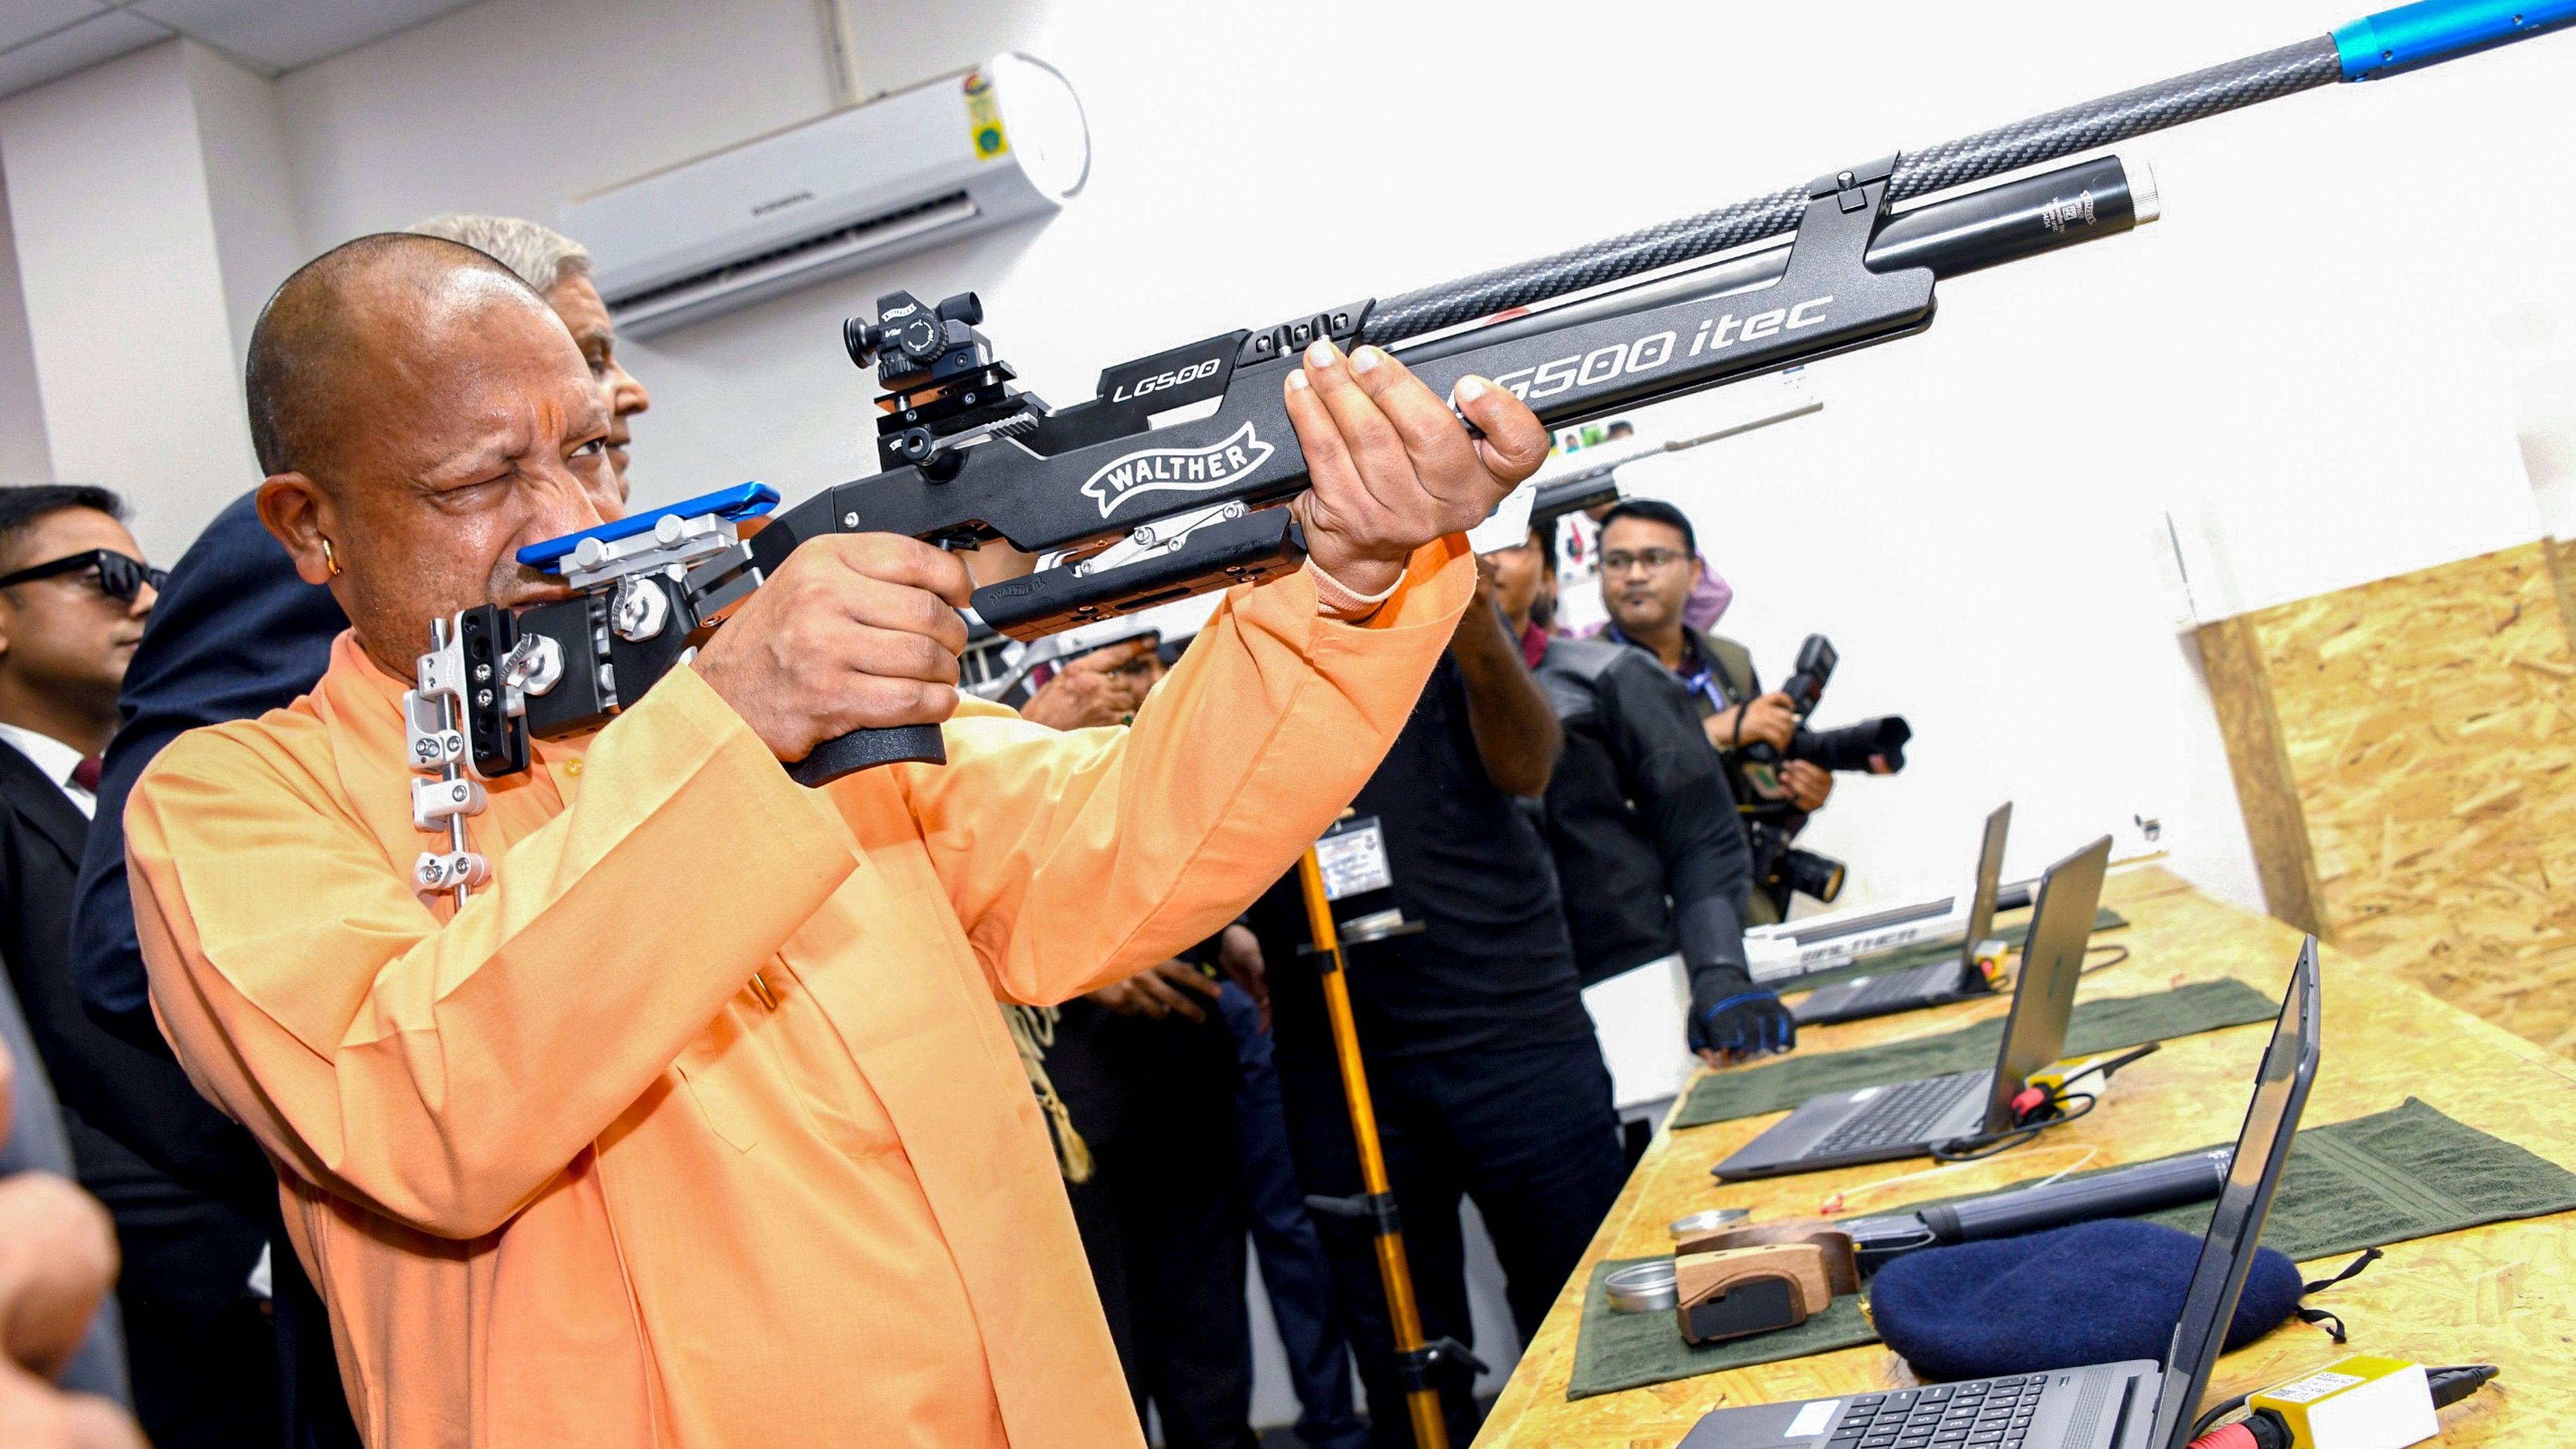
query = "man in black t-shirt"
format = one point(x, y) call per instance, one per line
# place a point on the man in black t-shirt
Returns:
point(1487, 1079)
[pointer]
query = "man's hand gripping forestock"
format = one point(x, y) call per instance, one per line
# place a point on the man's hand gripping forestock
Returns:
point(1390, 468)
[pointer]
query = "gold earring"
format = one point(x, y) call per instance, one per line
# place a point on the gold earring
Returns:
point(332, 563)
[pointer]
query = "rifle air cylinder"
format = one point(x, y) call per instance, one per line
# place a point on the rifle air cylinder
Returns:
point(1953, 236)
point(2033, 142)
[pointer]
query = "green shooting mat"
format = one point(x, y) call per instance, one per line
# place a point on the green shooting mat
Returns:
point(2409, 1172)
point(2097, 1026)
point(1924, 953)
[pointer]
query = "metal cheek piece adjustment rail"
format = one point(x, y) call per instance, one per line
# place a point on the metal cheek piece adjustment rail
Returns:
point(646, 590)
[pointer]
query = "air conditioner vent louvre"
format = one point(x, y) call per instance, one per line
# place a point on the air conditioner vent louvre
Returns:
point(716, 278)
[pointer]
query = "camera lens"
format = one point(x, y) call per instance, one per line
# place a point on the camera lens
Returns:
point(1811, 874)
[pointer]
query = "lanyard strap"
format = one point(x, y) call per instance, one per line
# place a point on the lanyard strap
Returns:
point(1703, 682)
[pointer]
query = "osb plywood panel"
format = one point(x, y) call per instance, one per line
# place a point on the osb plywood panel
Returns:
point(2266, 794)
point(2503, 1294)
point(2430, 734)
point(2562, 572)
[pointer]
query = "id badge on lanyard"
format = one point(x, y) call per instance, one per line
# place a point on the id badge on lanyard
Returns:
point(1353, 858)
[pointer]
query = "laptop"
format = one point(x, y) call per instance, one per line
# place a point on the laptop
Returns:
point(2130, 1405)
point(1935, 984)
point(1876, 1124)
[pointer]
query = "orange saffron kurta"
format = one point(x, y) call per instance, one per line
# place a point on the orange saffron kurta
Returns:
point(564, 1178)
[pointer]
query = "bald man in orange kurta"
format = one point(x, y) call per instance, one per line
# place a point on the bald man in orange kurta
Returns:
point(563, 1173)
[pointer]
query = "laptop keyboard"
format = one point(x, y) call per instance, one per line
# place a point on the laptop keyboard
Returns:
point(1985, 1414)
point(1903, 986)
point(1900, 1114)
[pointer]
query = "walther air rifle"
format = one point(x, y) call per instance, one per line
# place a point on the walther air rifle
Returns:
point(1134, 514)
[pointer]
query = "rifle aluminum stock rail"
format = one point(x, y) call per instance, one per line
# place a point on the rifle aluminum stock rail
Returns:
point(1131, 513)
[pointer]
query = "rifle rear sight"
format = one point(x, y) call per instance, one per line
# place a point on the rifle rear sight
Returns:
point(943, 385)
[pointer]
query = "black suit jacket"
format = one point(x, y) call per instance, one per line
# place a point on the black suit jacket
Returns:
point(182, 1246)
point(235, 635)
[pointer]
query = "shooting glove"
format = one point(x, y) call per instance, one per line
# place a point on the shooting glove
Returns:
point(1731, 1014)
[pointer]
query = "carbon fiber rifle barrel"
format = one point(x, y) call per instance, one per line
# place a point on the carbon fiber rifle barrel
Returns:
point(2203, 93)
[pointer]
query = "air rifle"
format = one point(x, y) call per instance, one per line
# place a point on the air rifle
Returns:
point(1131, 512)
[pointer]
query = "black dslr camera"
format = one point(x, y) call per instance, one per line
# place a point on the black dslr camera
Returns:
point(1873, 746)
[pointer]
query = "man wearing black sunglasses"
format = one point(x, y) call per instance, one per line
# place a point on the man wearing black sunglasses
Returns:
point(73, 598)
point(74, 593)
point(119, 576)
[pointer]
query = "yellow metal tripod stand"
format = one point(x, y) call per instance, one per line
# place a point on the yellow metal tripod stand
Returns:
point(1414, 1358)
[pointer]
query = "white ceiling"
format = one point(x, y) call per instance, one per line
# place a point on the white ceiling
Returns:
point(43, 39)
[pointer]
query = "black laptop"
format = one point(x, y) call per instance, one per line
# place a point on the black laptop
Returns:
point(2131, 1405)
point(1937, 983)
point(1875, 1124)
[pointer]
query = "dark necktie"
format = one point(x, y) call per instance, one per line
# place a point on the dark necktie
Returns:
point(85, 774)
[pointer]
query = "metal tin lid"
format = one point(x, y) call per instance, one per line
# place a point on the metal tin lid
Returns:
point(1645, 1288)
point(1706, 1221)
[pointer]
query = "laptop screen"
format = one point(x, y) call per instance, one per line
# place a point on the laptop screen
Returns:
point(2236, 1224)
point(1990, 877)
point(2061, 925)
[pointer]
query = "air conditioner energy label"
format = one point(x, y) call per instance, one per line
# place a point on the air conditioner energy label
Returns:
point(984, 117)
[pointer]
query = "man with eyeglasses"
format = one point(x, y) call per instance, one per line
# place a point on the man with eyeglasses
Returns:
point(1654, 868)
point(74, 593)
point(1649, 566)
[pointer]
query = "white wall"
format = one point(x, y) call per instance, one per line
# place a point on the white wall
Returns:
point(259, 236)
point(2301, 364)
point(24, 458)
point(125, 290)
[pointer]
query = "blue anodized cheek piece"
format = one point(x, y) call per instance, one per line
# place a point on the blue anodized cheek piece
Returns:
point(741, 501)
point(2413, 36)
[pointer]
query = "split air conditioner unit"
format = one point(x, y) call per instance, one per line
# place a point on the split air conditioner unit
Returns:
point(905, 171)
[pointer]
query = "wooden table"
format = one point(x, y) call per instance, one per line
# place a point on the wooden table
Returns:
point(2503, 1294)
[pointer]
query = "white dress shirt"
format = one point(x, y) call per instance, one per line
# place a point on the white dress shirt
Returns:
point(56, 759)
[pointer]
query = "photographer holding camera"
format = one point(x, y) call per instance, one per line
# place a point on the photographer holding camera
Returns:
point(1649, 566)
point(1652, 865)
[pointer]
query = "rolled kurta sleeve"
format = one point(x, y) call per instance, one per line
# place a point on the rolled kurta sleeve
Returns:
point(1074, 860)
point(442, 1073)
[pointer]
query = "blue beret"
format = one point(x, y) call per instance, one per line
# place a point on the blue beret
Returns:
point(2096, 1292)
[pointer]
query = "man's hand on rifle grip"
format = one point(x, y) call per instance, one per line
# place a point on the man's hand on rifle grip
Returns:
point(1390, 468)
point(853, 631)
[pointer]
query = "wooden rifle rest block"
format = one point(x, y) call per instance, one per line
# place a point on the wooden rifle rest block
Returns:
point(1739, 1291)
